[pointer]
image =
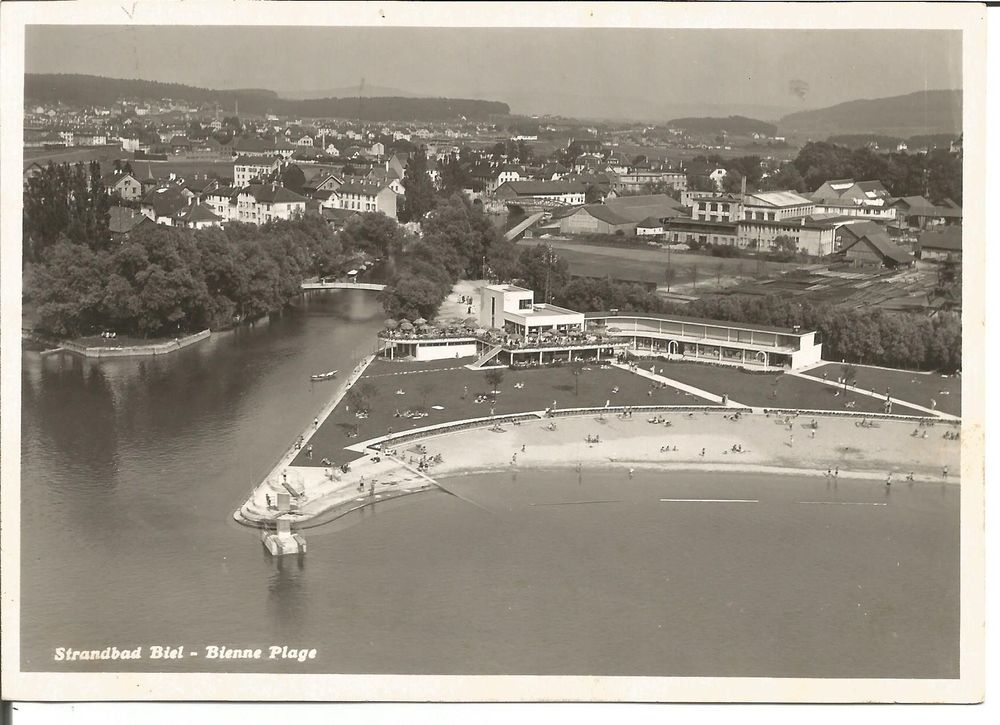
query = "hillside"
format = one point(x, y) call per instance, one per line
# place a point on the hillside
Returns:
point(95, 90)
point(921, 113)
point(736, 125)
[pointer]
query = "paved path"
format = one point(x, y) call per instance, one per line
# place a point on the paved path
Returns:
point(870, 394)
point(679, 385)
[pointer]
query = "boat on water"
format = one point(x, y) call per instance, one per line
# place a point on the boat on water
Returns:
point(325, 376)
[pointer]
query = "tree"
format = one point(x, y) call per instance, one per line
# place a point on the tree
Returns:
point(669, 276)
point(576, 366)
point(373, 233)
point(718, 273)
point(424, 388)
point(785, 244)
point(494, 377)
point(419, 198)
point(543, 270)
point(849, 373)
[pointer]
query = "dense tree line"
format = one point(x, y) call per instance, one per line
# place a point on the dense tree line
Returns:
point(164, 281)
point(456, 241)
point(64, 201)
point(936, 175)
point(867, 335)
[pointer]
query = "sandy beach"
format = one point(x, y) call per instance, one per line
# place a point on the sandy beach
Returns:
point(703, 441)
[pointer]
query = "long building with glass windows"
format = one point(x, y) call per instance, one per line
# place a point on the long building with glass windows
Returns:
point(701, 340)
point(512, 329)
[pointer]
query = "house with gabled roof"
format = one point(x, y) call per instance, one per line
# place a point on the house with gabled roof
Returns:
point(876, 249)
point(122, 221)
point(263, 203)
point(365, 196)
point(123, 184)
point(858, 193)
point(162, 203)
point(197, 216)
point(941, 244)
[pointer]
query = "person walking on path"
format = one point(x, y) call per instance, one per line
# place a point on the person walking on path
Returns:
point(944, 472)
point(316, 422)
point(522, 447)
point(888, 480)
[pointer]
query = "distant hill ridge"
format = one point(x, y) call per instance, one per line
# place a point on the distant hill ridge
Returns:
point(912, 114)
point(97, 90)
point(740, 125)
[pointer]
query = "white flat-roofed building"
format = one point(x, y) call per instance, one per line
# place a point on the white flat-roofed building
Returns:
point(514, 330)
point(715, 341)
point(513, 309)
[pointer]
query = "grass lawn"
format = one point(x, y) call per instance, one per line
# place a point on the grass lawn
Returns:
point(756, 389)
point(447, 388)
point(917, 388)
point(648, 265)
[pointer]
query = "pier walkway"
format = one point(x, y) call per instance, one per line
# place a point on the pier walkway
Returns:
point(308, 286)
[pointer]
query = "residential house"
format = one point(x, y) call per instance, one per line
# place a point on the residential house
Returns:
point(197, 216)
point(161, 204)
point(397, 163)
point(123, 184)
point(650, 226)
point(918, 213)
point(859, 193)
point(222, 201)
point(122, 221)
point(263, 203)
point(248, 168)
point(377, 149)
point(362, 196)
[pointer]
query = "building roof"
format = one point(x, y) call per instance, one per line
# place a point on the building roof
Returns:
point(605, 214)
point(365, 188)
point(948, 239)
point(544, 188)
point(650, 223)
point(165, 200)
point(698, 321)
point(273, 194)
point(780, 198)
point(885, 247)
point(198, 213)
point(253, 161)
point(637, 208)
point(254, 144)
point(861, 228)
point(122, 220)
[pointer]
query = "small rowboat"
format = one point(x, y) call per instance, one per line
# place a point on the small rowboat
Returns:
point(325, 376)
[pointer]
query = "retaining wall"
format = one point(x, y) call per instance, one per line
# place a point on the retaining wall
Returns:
point(135, 350)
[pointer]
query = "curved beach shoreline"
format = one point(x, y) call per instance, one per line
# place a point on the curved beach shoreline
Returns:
point(767, 444)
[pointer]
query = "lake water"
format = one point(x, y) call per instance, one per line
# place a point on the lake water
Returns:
point(131, 470)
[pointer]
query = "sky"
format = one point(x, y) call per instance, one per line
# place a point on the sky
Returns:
point(642, 73)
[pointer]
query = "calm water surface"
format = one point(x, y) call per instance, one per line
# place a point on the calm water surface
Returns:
point(131, 469)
